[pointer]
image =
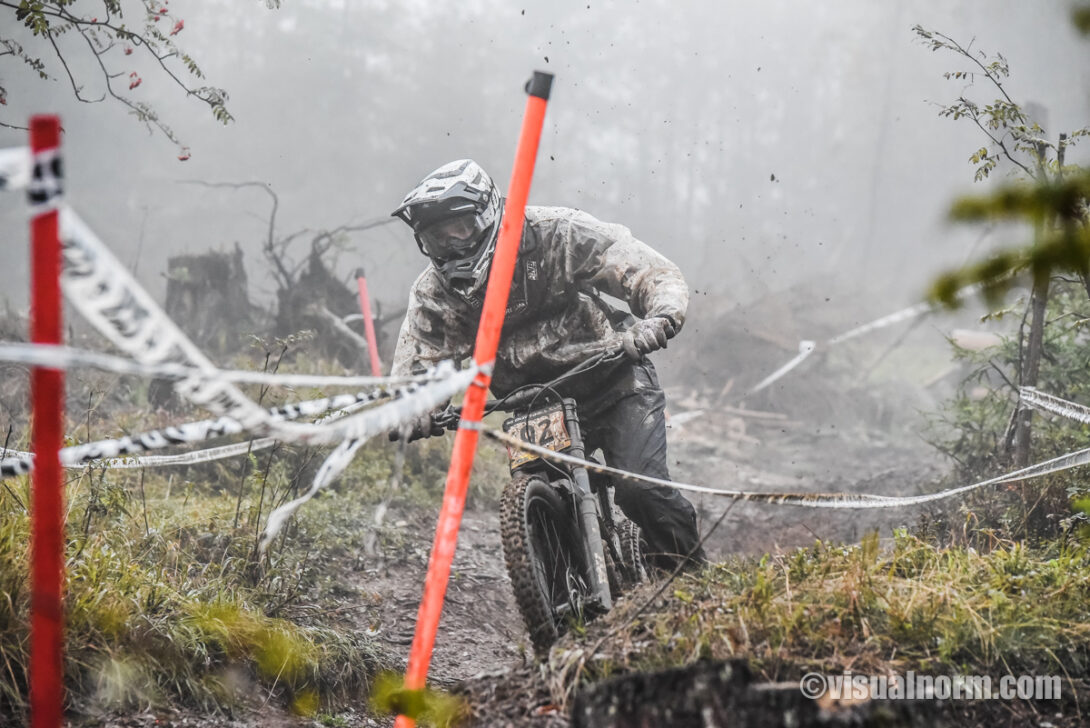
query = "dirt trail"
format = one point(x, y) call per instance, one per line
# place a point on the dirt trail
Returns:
point(480, 629)
point(482, 649)
point(805, 458)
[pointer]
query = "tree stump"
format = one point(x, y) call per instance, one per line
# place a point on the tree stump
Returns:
point(307, 305)
point(208, 297)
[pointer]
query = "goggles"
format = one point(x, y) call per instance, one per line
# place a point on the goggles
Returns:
point(452, 238)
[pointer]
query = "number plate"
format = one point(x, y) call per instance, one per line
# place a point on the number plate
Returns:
point(542, 427)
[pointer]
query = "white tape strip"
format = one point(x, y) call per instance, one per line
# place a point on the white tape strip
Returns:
point(357, 430)
point(63, 357)
point(376, 420)
point(1049, 403)
point(104, 292)
point(15, 166)
point(26, 459)
point(212, 453)
point(333, 466)
point(79, 455)
point(894, 318)
point(110, 451)
point(852, 501)
point(186, 458)
point(111, 300)
point(362, 426)
point(806, 348)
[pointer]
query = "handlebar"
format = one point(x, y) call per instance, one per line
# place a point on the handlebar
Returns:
point(526, 394)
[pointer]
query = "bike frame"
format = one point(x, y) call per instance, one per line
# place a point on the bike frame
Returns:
point(591, 510)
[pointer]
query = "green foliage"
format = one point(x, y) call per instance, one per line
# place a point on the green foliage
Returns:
point(1080, 16)
point(1057, 209)
point(972, 428)
point(429, 707)
point(1054, 204)
point(910, 606)
point(166, 602)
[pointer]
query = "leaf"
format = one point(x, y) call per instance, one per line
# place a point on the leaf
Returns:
point(1081, 18)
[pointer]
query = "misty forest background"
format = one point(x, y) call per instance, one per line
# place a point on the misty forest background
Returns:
point(781, 153)
point(758, 146)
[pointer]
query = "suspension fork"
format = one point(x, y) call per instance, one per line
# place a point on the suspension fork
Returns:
point(587, 505)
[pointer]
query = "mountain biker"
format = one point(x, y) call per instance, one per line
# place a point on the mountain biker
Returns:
point(556, 318)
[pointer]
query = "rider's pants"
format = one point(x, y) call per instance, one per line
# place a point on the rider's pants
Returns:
point(631, 431)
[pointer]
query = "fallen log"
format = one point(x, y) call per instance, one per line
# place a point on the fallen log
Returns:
point(724, 694)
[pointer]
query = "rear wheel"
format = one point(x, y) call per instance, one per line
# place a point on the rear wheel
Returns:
point(544, 554)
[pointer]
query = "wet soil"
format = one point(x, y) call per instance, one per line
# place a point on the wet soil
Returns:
point(482, 651)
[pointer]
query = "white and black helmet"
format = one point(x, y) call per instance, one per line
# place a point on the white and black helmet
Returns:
point(455, 215)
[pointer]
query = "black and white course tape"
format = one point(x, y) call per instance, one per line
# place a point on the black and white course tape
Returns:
point(64, 357)
point(125, 451)
point(854, 501)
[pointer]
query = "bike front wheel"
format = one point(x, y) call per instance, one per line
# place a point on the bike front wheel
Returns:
point(544, 553)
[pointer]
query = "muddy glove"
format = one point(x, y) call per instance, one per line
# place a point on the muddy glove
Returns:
point(647, 335)
point(419, 428)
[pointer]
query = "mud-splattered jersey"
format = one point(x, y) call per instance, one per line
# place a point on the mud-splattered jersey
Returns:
point(555, 315)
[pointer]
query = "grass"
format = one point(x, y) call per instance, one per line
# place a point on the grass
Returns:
point(913, 606)
point(177, 609)
point(169, 604)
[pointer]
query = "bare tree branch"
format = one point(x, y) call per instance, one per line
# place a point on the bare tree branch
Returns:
point(101, 37)
point(285, 278)
point(71, 79)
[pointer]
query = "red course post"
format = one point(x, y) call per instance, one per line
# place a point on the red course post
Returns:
point(47, 431)
point(488, 339)
point(368, 324)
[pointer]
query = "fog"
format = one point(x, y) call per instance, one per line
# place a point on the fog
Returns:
point(758, 145)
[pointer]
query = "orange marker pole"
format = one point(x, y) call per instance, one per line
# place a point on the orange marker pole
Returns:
point(368, 324)
point(488, 340)
point(47, 430)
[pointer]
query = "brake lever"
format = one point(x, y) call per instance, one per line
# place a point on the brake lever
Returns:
point(448, 419)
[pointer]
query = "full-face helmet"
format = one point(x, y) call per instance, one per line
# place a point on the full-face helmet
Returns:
point(455, 215)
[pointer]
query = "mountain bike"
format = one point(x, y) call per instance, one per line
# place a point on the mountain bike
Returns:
point(569, 551)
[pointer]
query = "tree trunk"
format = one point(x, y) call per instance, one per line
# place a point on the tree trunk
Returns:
point(1031, 367)
point(1031, 364)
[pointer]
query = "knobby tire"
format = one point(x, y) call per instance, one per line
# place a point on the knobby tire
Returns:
point(544, 553)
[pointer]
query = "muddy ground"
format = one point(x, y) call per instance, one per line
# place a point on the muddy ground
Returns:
point(482, 651)
point(849, 420)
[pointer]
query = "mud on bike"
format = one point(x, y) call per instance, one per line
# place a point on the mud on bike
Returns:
point(569, 551)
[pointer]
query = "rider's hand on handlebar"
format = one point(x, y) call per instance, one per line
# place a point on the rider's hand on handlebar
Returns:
point(423, 426)
point(647, 335)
